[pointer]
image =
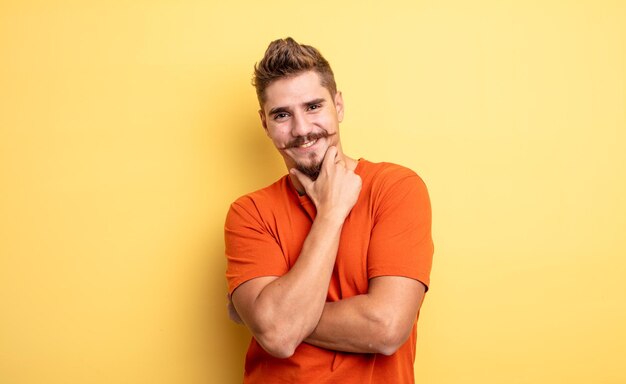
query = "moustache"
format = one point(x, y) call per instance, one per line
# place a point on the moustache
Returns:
point(298, 141)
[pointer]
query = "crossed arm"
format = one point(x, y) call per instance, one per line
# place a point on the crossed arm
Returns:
point(377, 322)
point(282, 312)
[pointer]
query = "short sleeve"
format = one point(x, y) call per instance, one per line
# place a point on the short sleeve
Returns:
point(401, 241)
point(251, 249)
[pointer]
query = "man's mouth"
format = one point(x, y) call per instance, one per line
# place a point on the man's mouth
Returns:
point(308, 144)
point(307, 141)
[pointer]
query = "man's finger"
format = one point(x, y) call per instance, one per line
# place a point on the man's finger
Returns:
point(329, 157)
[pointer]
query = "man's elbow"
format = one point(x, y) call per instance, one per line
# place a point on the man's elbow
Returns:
point(388, 348)
point(392, 336)
point(279, 338)
point(277, 345)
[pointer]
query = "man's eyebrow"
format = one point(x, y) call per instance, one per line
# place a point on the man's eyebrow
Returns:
point(277, 110)
point(316, 101)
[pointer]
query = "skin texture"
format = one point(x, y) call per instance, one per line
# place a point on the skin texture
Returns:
point(302, 119)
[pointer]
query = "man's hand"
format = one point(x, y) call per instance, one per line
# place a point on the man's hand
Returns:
point(337, 188)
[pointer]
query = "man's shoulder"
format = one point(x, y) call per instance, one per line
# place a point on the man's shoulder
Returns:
point(386, 173)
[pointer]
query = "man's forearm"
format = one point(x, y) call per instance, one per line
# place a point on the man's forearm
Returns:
point(377, 322)
point(287, 309)
point(348, 326)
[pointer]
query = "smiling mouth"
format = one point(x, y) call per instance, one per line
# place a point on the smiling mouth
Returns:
point(303, 142)
point(308, 144)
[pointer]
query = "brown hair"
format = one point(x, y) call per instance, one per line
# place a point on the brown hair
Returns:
point(286, 58)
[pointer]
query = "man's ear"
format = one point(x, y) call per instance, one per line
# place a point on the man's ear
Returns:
point(263, 121)
point(339, 106)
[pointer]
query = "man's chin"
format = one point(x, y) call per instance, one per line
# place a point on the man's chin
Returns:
point(311, 170)
point(312, 165)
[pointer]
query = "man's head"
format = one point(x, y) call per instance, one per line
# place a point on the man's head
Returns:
point(286, 58)
point(300, 107)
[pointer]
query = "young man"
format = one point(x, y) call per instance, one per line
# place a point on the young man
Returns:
point(328, 266)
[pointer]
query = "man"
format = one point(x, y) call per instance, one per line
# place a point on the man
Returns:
point(328, 266)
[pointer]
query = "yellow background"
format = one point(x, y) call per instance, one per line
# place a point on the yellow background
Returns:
point(127, 128)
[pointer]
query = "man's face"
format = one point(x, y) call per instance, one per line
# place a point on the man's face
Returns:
point(302, 119)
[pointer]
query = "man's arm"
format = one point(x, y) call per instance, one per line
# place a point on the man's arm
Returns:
point(377, 322)
point(282, 311)
point(381, 320)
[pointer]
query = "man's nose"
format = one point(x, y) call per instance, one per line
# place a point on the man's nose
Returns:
point(300, 125)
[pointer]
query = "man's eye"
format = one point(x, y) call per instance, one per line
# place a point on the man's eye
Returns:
point(279, 116)
point(314, 106)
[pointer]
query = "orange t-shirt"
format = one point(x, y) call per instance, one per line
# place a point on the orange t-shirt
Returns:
point(387, 233)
